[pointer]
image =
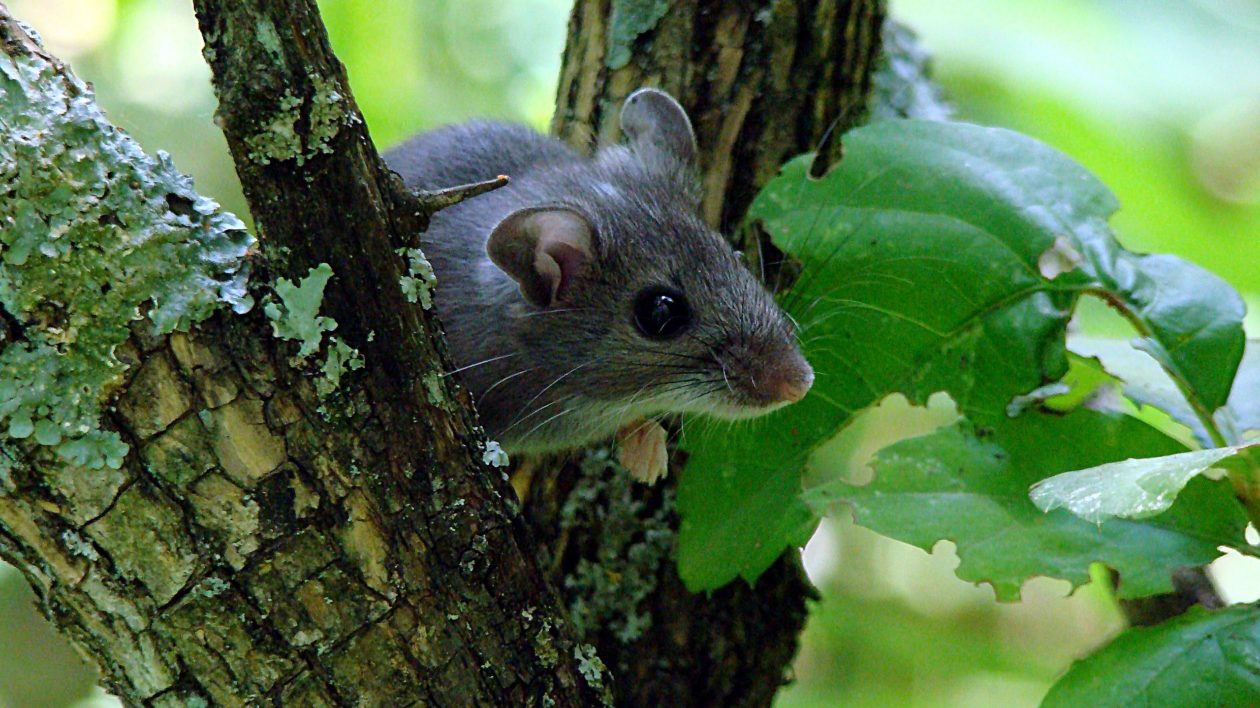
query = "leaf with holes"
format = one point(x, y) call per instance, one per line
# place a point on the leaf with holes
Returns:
point(934, 257)
point(971, 487)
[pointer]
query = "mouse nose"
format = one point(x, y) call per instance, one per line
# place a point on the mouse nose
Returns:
point(791, 380)
point(793, 390)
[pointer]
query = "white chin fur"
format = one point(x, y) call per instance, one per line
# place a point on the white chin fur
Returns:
point(722, 408)
point(730, 411)
point(591, 422)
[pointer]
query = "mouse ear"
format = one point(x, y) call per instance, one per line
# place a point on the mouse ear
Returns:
point(654, 122)
point(543, 249)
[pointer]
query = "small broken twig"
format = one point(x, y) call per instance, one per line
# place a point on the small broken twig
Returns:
point(435, 200)
point(427, 202)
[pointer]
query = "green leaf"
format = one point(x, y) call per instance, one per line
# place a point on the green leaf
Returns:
point(1195, 336)
point(1201, 658)
point(922, 258)
point(1241, 416)
point(739, 503)
point(1086, 382)
point(970, 486)
point(1130, 489)
point(1147, 383)
point(1144, 380)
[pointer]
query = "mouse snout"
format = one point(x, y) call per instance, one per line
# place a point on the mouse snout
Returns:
point(771, 379)
point(787, 379)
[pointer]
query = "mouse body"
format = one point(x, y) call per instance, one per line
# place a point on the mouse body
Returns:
point(587, 295)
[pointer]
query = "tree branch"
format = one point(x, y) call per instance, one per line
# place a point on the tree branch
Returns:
point(239, 505)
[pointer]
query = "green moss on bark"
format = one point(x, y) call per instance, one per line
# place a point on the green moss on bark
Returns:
point(607, 591)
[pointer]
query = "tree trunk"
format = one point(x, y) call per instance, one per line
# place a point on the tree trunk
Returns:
point(763, 80)
point(291, 503)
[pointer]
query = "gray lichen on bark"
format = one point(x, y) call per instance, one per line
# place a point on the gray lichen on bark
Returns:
point(94, 234)
point(294, 312)
point(902, 85)
point(607, 589)
point(279, 138)
point(627, 21)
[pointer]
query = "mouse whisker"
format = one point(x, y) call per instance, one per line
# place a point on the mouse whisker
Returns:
point(806, 278)
point(678, 355)
point(821, 298)
point(826, 296)
point(705, 389)
point(682, 391)
point(715, 344)
point(631, 400)
point(483, 361)
point(722, 364)
point(666, 393)
point(692, 380)
point(536, 411)
point(710, 384)
point(548, 387)
point(636, 362)
point(535, 429)
point(841, 307)
point(798, 285)
point(707, 425)
point(642, 424)
point(814, 339)
point(852, 280)
point(509, 377)
point(703, 341)
point(654, 366)
point(553, 312)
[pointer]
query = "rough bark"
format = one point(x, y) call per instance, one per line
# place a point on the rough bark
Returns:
point(279, 528)
point(763, 80)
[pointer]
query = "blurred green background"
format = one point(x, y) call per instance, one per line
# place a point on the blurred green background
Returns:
point(1161, 98)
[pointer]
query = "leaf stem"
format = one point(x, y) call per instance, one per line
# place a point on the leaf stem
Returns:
point(1246, 477)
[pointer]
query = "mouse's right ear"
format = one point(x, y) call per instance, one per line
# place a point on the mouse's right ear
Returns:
point(543, 249)
point(656, 124)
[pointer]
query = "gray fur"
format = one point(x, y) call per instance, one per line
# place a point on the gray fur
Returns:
point(571, 374)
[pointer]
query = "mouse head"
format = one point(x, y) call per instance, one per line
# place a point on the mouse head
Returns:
point(633, 305)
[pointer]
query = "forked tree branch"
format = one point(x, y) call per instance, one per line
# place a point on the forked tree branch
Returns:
point(231, 516)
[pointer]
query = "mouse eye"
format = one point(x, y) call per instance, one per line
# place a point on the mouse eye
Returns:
point(661, 313)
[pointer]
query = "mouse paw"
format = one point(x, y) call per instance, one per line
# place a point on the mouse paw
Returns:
point(641, 448)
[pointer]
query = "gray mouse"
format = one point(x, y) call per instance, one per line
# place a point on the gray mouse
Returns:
point(587, 296)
